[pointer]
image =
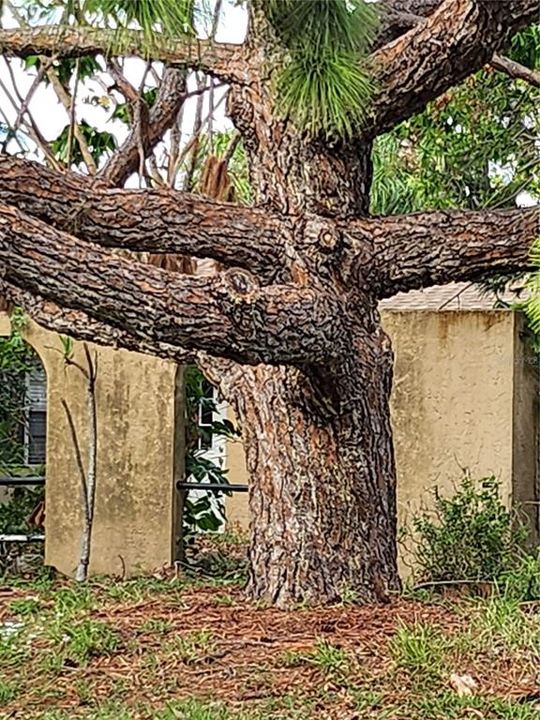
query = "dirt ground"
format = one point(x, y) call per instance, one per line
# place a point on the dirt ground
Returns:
point(129, 650)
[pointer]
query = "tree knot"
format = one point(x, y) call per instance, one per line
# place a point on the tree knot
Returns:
point(329, 241)
point(241, 282)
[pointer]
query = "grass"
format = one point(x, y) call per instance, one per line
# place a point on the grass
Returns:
point(151, 649)
point(193, 647)
point(324, 656)
point(79, 641)
point(420, 649)
point(8, 692)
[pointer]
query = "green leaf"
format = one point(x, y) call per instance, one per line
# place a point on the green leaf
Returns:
point(99, 143)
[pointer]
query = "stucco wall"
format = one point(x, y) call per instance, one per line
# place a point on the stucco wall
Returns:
point(462, 398)
point(135, 522)
point(465, 396)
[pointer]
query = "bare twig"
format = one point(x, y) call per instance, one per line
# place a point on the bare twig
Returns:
point(30, 125)
point(197, 127)
point(195, 138)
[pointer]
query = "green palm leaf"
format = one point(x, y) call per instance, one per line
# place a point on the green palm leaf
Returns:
point(325, 88)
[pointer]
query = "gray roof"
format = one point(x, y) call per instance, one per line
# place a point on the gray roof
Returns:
point(454, 296)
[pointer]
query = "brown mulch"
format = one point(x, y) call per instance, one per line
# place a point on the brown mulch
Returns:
point(245, 659)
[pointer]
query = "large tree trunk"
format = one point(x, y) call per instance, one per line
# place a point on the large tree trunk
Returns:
point(322, 480)
point(318, 438)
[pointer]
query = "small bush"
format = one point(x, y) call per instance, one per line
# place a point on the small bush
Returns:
point(471, 536)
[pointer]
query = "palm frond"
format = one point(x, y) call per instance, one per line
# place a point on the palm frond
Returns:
point(159, 20)
point(325, 88)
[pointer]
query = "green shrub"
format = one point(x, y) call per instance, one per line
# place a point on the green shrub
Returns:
point(470, 536)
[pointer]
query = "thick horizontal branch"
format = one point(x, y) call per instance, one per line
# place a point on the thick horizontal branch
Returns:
point(157, 221)
point(222, 60)
point(455, 41)
point(227, 315)
point(80, 326)
point(400, 16)
point(424, 249)
point(162, 115)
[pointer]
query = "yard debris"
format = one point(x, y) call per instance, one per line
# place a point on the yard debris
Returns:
point(463, 684)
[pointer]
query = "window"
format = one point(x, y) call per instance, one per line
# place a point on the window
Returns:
point(35, 436)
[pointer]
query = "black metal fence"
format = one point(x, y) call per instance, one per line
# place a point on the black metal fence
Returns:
point(36, 481)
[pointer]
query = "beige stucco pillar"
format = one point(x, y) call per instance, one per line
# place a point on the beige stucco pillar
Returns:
point(139, 456)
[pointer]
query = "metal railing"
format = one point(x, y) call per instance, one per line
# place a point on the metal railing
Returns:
point(12, 481)
point(223, 487)
point(36, 481)
point(8, 481)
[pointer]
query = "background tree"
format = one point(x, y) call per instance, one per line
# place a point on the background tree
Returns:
point(286, 323)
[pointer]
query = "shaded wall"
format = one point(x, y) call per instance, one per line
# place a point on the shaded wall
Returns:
point(136, 501)
point(465, 395)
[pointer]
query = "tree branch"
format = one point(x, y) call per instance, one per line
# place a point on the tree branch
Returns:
point(424, 249)
point(162, 115)
point(455, 41)
point(157, 221)
point(515, 70)
point(227, 315)
point(80, 326)
point(225, 61)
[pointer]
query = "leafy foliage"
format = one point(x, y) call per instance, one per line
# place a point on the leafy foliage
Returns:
point(16, 360)
point(522, 582)
point(325, 87)
point(532, 306)
point(470, 536)
point(207, 512)
point(85, 67)
point(99, 144)
point(159, 20)
point(171, 18)
point(474, 147)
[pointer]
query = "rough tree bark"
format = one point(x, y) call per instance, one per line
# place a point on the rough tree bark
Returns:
point(293, 338)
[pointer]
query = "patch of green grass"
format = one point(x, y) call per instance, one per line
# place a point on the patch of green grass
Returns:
point(224, 600)
point(193, 709)
point(83, 640)
point(446, 705)
point(501, 626)
point(193, 647)
point(73, 599)
point(324, 656)
point(25, 606)
point(8, 692)
point(14, 646)
point(366, 699)
point(108, 712)
point(419, 648)
point(42, 583)
point(137, 589)
point(156, 626)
